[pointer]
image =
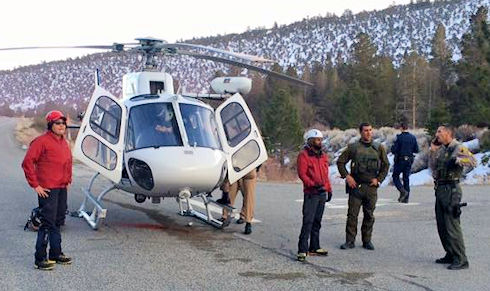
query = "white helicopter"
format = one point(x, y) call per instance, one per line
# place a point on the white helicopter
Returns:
point(154, 143)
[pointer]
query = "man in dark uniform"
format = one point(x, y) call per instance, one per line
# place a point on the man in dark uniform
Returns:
point(447, 158)
point(369, 167)
point(404, 147)
point(48, 170)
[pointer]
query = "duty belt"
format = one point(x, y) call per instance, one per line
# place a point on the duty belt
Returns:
point(447, 182)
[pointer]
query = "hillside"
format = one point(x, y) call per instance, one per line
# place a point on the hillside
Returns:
point(394, 31)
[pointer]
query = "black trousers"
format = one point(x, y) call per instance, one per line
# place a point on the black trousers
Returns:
point(402, 167)
point(313, 207)
point(52, 212)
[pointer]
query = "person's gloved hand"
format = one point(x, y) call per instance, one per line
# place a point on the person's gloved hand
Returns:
point(329, 196)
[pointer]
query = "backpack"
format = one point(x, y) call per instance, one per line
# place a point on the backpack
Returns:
point(34, 221)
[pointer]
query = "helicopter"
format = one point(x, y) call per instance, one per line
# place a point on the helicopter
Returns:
point(155, 143)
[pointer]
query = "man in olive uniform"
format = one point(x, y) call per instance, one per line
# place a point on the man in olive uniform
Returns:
point(447, 159)
point(369, 167)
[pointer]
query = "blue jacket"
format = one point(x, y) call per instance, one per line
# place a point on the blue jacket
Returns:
point(405, 145)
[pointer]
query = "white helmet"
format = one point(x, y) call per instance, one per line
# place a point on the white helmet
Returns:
point(312, 133)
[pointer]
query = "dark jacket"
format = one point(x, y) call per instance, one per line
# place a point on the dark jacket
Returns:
point(405, 145)
point(48, 162)
point(313, 170)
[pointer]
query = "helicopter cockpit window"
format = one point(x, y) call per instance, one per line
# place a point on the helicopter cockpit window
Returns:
point(200, 126)
point(152, 125)
point(235, 122)
point(105, 119)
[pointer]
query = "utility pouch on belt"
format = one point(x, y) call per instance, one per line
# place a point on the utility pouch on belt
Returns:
point(353, 191)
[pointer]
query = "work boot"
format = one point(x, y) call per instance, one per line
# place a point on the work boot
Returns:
point(240, 221)
point(225, 199)
point(44, 265)
point(248, 228)
point(348, 245)
point(368, 246)
point(456, 265)
point(318, 252)
point(61, 259)
point(403, 196)
point(225, 222)
point(301, 257)
point(447, 259)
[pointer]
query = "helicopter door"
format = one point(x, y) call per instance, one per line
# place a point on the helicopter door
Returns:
point(100, 141)
point(240, 137)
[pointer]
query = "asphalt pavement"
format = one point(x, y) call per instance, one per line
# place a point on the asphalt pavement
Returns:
point(150, 247)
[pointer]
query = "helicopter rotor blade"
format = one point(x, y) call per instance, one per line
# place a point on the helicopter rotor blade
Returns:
point(243, 56)
point(246, 66)
point(114, 47)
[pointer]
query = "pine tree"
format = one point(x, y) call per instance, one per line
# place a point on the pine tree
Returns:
point(281, 124)
point(470, 97)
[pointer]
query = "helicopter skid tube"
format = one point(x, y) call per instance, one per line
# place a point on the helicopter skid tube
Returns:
point(207, 216)
point(98, 213)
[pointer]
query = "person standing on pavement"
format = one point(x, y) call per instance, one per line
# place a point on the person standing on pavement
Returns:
point(404, 147)
point(369, 167)
point(247, 186)
point(447, 158)
point(313, 172)
point(47, 167)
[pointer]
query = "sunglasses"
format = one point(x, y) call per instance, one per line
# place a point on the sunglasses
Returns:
point(59, 122)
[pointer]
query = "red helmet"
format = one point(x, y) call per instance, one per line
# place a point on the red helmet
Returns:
point(54, 115)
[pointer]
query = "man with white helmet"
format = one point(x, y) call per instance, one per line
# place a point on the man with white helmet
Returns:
point(313, 171)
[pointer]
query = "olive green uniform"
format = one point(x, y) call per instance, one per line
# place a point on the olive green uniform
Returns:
point(447, 166)
point(368, 161)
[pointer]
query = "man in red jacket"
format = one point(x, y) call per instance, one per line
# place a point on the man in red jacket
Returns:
point(313, 171)
point(48, 169)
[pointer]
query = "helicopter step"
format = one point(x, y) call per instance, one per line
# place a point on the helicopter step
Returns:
point(99, 212)
point(186, 209)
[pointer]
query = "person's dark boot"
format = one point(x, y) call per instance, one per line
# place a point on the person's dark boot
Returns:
point(348, 245)
point(240, 221)
point(44, 265)
point(456, 265)
point(403, 196)
point(225, 199)
point(248, 228)
point(61, 259)
point(447, 259)
point(368, 246)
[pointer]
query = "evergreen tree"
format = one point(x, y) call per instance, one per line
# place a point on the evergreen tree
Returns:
point(281, 125)
point(470, 97)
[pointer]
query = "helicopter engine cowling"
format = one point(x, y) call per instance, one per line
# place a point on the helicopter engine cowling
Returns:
point(231, 85)
point(176, 168)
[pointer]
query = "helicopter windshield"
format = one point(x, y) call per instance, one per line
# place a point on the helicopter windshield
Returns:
point(152, 125)
point(200, 126)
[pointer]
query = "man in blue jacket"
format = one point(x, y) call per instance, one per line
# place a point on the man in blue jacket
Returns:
point(404, 147)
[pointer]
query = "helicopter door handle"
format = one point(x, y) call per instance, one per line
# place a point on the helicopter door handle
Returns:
point(256, 133)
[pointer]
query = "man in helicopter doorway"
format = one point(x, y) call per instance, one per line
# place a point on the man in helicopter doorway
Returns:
point(247, 186)
point(48, 170)
point(313, 171)
point(404, 147)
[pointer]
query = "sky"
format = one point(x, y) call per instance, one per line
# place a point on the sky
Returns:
point(103, 22)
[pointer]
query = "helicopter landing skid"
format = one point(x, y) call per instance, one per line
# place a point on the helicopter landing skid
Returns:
point(98, 213)
point(207, 216)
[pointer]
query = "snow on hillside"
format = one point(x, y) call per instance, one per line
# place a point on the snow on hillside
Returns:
point(319, 39)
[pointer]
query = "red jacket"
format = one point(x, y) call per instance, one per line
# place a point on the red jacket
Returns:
point(48, 162)
point(313, 171)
